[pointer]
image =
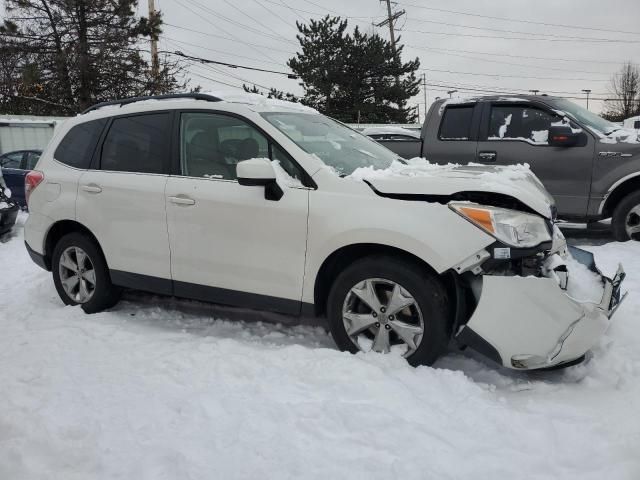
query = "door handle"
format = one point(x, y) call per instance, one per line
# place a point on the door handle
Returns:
point(91, 188)
point(182, 200)
point(487, 156)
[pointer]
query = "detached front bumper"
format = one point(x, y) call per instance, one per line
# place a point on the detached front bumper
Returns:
point(532, 322)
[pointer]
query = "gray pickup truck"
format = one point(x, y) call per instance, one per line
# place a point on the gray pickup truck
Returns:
point(589, 165)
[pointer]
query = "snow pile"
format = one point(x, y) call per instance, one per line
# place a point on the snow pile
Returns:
point(623, 135)
point(159, 389)
point(390, 130)
point(583, 285)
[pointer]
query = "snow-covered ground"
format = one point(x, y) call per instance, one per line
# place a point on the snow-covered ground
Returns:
point(158, 389)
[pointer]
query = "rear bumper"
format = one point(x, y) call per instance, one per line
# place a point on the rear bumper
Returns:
point(8, 218)
point(37, 258)
point(531, 322)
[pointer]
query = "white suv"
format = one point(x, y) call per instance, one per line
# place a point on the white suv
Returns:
point(270, 205)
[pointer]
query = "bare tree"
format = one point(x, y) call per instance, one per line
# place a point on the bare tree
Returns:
point(625, 89)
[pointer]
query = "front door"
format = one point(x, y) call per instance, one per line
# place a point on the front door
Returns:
point(121, 200)
point(229, 244)
point(513, 133)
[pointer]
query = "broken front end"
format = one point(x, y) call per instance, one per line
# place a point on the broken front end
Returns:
point(541, 304)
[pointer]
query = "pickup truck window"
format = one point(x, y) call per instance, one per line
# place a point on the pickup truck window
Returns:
point(456, 123)
point(521, 122)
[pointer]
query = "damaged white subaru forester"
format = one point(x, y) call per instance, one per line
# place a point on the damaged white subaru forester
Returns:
point(270, 205)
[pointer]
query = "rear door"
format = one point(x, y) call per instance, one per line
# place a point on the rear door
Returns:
point(451, 133)
point(13, 174)
point(121, 198)
point(516, 132)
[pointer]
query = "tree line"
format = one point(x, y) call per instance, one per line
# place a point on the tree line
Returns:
point(57, 57)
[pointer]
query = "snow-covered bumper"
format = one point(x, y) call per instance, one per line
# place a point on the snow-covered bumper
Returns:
point(532, 322)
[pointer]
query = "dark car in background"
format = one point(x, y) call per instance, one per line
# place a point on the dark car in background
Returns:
point(15, 166)
point(8, 208)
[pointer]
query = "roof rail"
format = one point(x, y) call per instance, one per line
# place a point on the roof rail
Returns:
point(126, 101)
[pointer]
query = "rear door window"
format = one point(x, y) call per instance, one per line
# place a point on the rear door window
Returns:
point(456, 123)
point(78, 145)
point(11, 160)
point(139, 143)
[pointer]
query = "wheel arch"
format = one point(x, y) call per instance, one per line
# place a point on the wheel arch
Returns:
point(344, 256)
point(618, 192)
point(59, 230)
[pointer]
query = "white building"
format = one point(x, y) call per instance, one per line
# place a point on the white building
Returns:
point(26, 132)
point(633, 122)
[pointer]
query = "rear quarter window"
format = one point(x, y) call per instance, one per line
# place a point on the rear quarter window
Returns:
point(78, 145)
point(456, 123)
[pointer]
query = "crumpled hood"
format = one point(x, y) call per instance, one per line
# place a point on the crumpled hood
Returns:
point(424, 178)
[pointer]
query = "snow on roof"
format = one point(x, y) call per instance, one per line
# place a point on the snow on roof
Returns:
point(390, 130)
point(455, 101)
point(260, 102)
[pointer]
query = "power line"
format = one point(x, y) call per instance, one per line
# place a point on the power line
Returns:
point(223, 30)
point(235, 55)
point(554, 59)
point(539, 39)
point(209, 34)
point(231, 65)
point(469, 14)
point(519, 32)
point(512, 76)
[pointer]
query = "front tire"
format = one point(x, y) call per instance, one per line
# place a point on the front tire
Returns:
point(625, 221)
point(80, 274)
point(381, 303)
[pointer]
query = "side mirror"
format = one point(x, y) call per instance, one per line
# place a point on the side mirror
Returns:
point(563, 136)
point(258, 172)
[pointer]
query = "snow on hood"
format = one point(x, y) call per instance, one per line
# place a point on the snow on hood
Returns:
point(624, 135)
point(419, 176)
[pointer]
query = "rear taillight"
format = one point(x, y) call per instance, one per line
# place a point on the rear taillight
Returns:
point(31, 181)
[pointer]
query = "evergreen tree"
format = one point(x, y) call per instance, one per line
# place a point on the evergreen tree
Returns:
point(355, 76)
point(61, 56)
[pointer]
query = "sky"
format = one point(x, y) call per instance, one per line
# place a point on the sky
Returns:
point(546, 45)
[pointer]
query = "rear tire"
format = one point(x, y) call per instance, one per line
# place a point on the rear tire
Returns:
point(626, 218)
point(430, 302)
point(83, 279)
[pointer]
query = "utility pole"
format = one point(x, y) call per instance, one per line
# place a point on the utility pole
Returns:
point(587, 91)
point(391, 19)
point(155, 67)
point(534, 91)
point(451, 92)
point(424, 92)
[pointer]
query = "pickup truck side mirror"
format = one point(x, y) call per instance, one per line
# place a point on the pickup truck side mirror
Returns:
point(563, 136)
point(259, 172)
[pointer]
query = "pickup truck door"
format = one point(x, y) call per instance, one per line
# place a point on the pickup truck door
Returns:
point(451, 132)
point(516, 132)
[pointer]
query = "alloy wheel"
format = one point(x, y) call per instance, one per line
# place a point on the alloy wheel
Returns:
point(77, 274)
point(379, 315)
point(632, 222)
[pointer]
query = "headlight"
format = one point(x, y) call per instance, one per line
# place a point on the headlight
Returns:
point(511, 227)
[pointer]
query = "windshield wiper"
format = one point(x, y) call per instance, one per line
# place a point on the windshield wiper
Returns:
point(612, 130)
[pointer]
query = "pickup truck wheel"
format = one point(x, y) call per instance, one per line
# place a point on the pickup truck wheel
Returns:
point(626, 218)
point(384, 304)
point(80, 274)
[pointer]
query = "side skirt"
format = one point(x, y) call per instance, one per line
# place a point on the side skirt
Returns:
point(222, 296)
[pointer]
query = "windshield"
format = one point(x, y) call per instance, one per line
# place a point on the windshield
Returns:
point(586, 117)
point(334, 143)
